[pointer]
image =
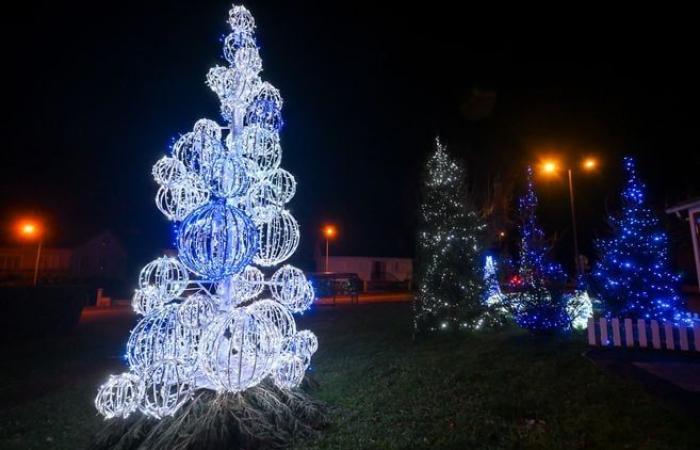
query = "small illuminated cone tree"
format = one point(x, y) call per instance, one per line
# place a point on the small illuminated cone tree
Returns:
point(218, 317)
point(632, 277)
point(449, 273)
point(538, 302)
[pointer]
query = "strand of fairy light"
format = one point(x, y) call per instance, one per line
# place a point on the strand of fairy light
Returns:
point(210, 318)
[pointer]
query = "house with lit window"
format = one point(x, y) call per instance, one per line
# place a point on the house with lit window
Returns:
point(373, 271)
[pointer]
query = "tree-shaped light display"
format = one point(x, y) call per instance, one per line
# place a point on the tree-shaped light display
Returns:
point(538, 301)
point(632, 277)
point(449, 272)
point(211, 319)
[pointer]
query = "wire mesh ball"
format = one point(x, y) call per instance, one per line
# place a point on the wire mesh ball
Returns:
point(178, 200)
point(208, 128)
point(303, 344)
point(146, 300)
point(228, 177)
point(280, 316)
point(168, 171)
point(217, 240)
point(278, 239)
point(199, 149)
point(241, 19)
point(284, 184)
point(266, 109)
point(167, 386)
point(290, 287)
point(262, 202)
point(258, 141)
point(246, 285)
point(167, 275)
point(160, 336)
point(119, 396)
point(235, 88)
point(197, 310)
point(289, 371)
point(239, 350)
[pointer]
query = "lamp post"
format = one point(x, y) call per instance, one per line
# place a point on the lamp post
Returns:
point(30, 230)
point(329, 232)
point(550, 168)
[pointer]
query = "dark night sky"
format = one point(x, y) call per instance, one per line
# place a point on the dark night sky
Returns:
point(98, 91)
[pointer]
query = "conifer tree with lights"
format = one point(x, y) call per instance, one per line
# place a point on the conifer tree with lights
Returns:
point(632, 277)
point(216, 358)
point(449, 272)
point(538, 301)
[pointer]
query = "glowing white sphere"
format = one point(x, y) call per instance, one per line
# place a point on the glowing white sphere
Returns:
point(178, 200)
point(303, 344)
point(167, 386)
point(119, 396)
point(146, 300)
point(257, 141)
point(168, 171)
point(277, 238)
point(262, 202)
point(165, 275)
point(241, 51)
point(246, 285)
point(197, 310)
point(160, 336)
point(217, 240)
point(272, 311)
point(238, 350)
point(241, 20)
point(290, 287)
point(289, 371)
point(199, 149)
point(266, 109)
point(228, 177)
point(284, 185)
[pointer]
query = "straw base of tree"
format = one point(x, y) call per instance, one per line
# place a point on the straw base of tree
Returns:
point(260, 417)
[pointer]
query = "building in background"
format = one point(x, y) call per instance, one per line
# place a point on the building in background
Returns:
point(376, 273)
point(690, 211)
point(101, 259)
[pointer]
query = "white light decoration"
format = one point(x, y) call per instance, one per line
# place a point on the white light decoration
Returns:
point(290, 287)
point(166, 276)
point(119, 396)
point(146, 300)
point(239, 350)
point(206, 323)
point(278, 239)
point(579, 308)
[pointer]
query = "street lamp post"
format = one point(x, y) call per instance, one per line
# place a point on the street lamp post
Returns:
point(30, 230)
point(329, 232)
point(550, 167)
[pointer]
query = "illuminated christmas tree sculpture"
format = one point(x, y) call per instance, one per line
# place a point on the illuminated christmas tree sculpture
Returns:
point(633, 278)
point(211, 318)
point(449, 271)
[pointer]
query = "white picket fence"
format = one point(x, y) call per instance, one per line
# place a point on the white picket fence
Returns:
point(644, 334)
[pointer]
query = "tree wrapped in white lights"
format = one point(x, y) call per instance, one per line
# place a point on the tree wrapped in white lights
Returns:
point(449, 272)
point(211, 318)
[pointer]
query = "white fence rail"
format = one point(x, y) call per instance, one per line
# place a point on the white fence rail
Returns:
point(644, 334)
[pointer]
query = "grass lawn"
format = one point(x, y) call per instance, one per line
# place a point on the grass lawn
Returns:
point(488, 390)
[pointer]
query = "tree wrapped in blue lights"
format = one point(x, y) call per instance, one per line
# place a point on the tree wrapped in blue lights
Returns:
point(538, 302)
point(632, 277)
point(449, 273)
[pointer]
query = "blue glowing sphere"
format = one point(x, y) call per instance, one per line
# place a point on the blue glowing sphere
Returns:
point(217, 240)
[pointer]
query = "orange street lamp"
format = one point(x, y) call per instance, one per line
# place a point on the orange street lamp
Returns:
point(329, 231)
point(550, 167)
point(30, 229)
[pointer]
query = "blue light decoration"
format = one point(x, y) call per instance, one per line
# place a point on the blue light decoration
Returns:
point(217, 240)
point(493, 295)
point(209, 318)
point(538, 301)
point(632, 277)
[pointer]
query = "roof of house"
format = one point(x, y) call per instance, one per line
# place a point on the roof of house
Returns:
point(688, 204)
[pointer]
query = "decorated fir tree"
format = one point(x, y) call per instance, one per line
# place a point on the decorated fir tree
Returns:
point(449, 272)
point(538, 302)
point(632, 277)
point(217, 343)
